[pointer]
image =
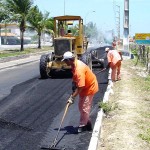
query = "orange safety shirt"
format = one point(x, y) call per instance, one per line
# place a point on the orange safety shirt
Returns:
point(85, 78)
point(113, 56)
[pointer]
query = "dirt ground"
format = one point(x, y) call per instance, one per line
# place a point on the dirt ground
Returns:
point(127, 125)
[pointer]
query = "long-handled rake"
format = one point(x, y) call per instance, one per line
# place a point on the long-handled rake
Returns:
point(54, 143)
point(100, 71)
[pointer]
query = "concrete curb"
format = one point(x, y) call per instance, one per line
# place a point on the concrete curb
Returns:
point(96, 131)
point(98, 123)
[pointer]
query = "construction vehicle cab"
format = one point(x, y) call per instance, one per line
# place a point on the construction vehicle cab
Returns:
point(68, 36)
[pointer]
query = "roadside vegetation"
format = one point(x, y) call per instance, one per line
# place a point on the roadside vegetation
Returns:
point(107, 107)
point(127, 125)
point(11, 53)
point(20, 12)
point(28, 17)
point(142, 55)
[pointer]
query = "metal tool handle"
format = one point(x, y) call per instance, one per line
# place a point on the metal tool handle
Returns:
point(55, 140)
point(101, 71)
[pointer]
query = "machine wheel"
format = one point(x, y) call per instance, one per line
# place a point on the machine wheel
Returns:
point(43, 67)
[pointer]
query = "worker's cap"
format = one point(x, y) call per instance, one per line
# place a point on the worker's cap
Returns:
point(106, 49)
point(67, 55)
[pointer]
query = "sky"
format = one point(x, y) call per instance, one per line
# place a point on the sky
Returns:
point(102, 13)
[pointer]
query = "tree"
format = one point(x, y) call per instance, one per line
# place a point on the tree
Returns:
point(50, 27)
point(5, 18)
point(3, 14)
point(19, 10)
point(37, 21)
point(91, 30)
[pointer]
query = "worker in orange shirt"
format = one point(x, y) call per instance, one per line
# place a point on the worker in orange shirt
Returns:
point(114, 62)
point(86, 87)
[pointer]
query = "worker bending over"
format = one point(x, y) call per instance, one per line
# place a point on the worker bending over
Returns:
point(114, 62)
point(86, 87)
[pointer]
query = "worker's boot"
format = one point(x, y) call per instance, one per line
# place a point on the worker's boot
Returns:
point(89, 126)
point(82, 129)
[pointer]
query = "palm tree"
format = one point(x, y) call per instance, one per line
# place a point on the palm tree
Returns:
point(4, 18)
point(37, 21)
point(3, 14)
point(19, 9)
point(49, 24)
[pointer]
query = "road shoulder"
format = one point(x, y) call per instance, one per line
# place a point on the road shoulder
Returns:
point(125, 127)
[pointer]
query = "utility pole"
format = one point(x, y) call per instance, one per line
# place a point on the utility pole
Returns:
point(0, 35)
point(64, 6)
point(126, 26)
point(118, 21)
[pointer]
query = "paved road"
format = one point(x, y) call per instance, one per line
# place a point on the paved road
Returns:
point(31, 114)
point(16, 75)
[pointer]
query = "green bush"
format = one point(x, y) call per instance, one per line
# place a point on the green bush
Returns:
point(107, 107)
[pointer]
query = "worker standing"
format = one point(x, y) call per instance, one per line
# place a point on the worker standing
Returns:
point(114, 44)
point(114, 62)
point(86, 87)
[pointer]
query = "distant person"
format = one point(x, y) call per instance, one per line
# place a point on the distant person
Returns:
point(114, 44)
point(86, 87)
point(114, 62)
point(62, 31)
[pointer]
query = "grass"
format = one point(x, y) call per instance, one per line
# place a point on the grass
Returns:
point(142, 85)
point(144, 124)
point(145, 136)
point(107, 107)
point(15, 52)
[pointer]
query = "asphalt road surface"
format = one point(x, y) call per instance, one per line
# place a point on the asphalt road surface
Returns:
point(15, 75)
point(31, 112)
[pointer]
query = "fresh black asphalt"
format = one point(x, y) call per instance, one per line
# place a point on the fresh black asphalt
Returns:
point(33, 110)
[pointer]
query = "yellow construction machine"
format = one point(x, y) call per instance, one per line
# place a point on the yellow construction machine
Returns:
point(68, 36)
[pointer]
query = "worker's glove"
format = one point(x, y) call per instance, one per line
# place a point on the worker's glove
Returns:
point(71, 100)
